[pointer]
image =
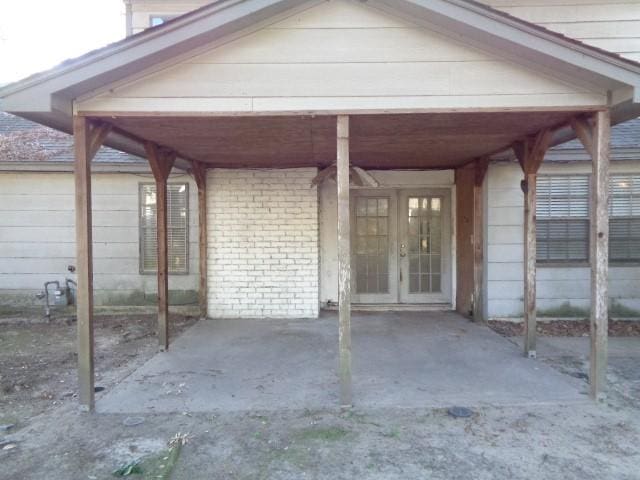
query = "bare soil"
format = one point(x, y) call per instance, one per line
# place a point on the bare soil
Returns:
point(38, 360)
point(566, 328)
point(53, 440)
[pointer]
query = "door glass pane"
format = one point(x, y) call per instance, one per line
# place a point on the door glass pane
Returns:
point(424, 234)
point(371, 254)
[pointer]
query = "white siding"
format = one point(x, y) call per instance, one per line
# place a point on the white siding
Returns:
point(555, 285)
point(341, 55)
point(37, 236)
point(263, 243)
point(611, 25)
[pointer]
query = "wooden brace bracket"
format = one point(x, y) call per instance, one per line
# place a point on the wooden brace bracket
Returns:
point(161, 161)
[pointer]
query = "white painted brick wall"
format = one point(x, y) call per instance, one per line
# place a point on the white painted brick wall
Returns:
point(262, 243)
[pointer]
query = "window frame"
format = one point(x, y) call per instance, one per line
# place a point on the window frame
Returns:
point(141, 268)
point(569, 263)
point(619, 262)
point(164, 17)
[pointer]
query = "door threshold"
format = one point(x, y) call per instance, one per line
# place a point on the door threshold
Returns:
point(395, 307)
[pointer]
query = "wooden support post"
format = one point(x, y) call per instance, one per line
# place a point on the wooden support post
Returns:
point(84, 263)
point(595, 136)
point(200, 175)
point(481, 167)
point(530, 154)
point(161, 163)
point(344, 260)
point(530, 247)
point(599, 254)
point(87, 141)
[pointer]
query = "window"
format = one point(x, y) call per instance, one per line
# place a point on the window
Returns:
point(178, 228)
point(155, 20)
point(624, 218)
point(562, 218)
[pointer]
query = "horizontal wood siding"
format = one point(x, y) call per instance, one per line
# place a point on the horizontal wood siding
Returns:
point(611, 25)
point(341, 55)
point(555, 285)
point(37, 234)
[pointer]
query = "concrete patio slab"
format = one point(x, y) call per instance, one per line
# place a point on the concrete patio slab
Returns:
point(408, 359)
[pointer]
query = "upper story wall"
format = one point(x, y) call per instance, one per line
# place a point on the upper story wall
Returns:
point(609, 24)
point(612, 25)
point(140, 12)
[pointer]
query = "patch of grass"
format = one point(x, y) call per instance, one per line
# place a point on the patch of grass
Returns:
point(565, 310)
point(324, 434)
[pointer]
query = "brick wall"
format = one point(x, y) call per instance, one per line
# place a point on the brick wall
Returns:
point(262, 243)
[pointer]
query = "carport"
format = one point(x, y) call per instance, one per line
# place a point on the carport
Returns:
point(206, 91)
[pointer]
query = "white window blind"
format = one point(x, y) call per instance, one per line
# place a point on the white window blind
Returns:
point(624, 218)
point(177, 232)
point(562, 218)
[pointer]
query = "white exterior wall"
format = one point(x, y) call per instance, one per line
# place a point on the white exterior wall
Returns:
point(329, 219)
point(262, 243)
point(37, 237)
point(612, 25)
point(300, 64)
point(505, 251)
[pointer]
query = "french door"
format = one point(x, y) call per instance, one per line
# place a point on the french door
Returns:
point(401, 246)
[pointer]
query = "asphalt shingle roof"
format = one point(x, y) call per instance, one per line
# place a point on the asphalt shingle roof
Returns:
point(25, 141)
point(623, 135)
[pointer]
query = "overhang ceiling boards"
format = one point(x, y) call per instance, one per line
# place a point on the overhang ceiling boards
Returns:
point(439, 140)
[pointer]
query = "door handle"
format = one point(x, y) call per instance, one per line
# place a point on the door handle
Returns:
point(403, 254)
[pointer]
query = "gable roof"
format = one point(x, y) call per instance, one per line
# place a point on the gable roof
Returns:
point(48, 97)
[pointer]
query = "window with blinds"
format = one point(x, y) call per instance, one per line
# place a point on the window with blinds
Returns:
point(562, 218)
point(178, 228)
point(624, 218)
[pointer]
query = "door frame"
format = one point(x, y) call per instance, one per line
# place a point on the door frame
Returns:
point(371, 298)
point(446, 253)
point(449, 237)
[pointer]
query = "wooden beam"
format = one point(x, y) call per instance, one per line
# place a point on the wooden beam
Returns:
point(161, 162)
point(84, 151)
point(200, 175)
point(530, 154)
point(583, 131)
point(465, 223)
point(599, 254)
point(481, 167)
point(344, 260)
point(98, 134)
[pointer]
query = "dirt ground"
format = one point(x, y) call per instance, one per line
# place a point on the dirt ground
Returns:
point(52, 440)
point(566, 328)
